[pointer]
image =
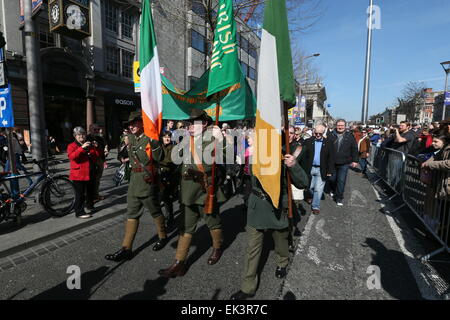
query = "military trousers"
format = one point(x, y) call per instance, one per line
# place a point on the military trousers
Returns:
point(136, 205)
point(255, 239)
point(193, 213)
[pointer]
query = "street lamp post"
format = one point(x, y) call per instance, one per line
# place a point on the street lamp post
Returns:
point(446, 66)
point(365, 107)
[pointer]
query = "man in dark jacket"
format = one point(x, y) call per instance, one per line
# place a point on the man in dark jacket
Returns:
point(319, 163)
point(346, 155)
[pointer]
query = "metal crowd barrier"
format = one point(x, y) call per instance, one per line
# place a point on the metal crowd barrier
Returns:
point(427, 197)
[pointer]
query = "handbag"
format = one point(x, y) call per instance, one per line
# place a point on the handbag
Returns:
point(119, 175)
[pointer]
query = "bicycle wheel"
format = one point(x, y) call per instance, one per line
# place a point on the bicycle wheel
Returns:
point(58, 196)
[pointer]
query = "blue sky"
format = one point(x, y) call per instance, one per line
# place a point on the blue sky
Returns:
point(414, 38)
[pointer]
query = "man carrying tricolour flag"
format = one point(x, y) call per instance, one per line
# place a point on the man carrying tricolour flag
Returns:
point(268, 201)
point(144, 148)
point(199, 197)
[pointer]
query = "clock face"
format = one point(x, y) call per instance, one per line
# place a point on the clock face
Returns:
point(75, 17)
point(55, 13)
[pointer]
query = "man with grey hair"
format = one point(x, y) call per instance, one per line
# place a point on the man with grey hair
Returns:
point(319, 163)
point(346, 155)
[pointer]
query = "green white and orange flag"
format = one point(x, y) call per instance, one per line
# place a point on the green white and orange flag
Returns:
point(225, 70)
point(275, 81)
point(151, 93)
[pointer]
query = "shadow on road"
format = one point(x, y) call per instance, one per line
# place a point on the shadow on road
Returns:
point(152, 290)
point(88, 281)
point(233, 223)
point(395, 275)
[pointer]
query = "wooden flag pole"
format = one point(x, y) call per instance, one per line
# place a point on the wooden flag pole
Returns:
point(288, 151)
point(209, 207)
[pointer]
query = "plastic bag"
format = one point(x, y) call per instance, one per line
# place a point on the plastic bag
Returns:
point(119, 175)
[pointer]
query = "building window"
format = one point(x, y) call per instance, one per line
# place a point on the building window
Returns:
point(192, 81)
point(198, 8)
point(46, 38)
point(244, 44)
point(111, 16)
point(112, 60)
point(244, 67)
point(252, 51)
point(251, 73)
point(127, 26)
point(197, 41)
point(127, 64)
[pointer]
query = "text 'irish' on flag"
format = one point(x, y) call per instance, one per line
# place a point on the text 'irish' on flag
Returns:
point(151, 93)
point(225, 70)
point(275, 82)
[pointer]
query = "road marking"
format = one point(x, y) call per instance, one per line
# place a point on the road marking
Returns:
point(305, 235)
point(335, 267)
point(426, 289)
point(357, 195)
point(312, 255)
point(319, 229)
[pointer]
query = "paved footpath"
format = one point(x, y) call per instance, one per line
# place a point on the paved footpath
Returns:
point(38, 226)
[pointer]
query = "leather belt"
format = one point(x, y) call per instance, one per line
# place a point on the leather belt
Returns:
point(316, 166)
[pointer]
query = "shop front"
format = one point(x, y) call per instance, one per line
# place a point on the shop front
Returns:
point(117, 111)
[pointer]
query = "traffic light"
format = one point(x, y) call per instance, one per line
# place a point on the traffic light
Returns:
point(2, 40)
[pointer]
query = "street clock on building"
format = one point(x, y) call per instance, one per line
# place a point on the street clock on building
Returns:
point(54, 13)
point(70, 17)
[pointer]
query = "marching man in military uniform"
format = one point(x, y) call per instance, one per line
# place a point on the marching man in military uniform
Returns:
point(195, 183)
point(263, 217)
point(143, 188)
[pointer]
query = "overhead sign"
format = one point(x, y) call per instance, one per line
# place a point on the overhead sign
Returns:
point(122, 101)
point(447, 98)
point(70, 17)
point(6, 109)
point(35, 7)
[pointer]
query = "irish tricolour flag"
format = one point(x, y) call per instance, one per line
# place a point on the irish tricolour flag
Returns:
point(275, 83)
point(151, 94)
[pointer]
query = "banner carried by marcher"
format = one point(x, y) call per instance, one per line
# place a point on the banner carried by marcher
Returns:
point(225, 69)
point(275, 82)
point(150, 76)
point(238, 102)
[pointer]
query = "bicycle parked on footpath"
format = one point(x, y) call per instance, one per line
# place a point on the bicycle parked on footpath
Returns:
point(57, 194)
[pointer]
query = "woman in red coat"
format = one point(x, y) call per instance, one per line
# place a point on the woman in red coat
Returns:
point(82, 155)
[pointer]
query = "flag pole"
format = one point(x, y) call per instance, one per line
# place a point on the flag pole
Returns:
point(209, 207)
point(288, 151)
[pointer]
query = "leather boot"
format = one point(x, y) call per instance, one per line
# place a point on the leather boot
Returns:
point(125, 253)
point(120, 255)
point(217, 240)
point(161, 227)
point(178, 268)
